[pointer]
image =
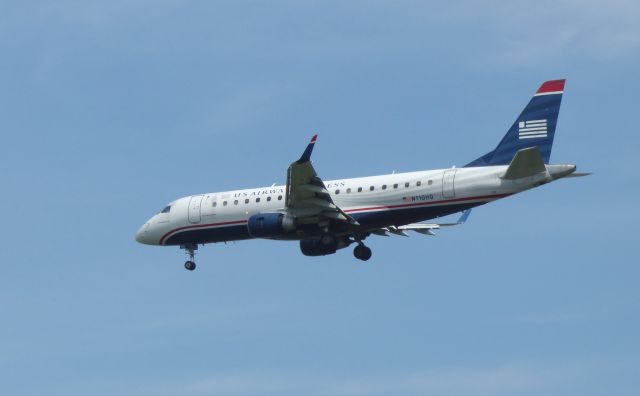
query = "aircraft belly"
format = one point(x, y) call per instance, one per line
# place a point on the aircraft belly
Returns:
point(382, 218)
point(209, 235)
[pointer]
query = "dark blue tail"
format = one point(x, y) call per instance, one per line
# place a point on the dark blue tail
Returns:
point(535, 126)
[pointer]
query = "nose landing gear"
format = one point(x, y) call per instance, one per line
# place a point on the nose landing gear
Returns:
point(190, 249)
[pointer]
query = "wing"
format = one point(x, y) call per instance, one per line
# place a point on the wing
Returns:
point(306, 196)
point(422, 228)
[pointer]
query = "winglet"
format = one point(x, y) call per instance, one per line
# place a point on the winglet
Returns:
point(306, 156)
point(464, 217)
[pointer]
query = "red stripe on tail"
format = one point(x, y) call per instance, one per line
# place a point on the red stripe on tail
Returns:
point(551, 86)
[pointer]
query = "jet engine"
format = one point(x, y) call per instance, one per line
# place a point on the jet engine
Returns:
point(323, 246)
point(270, 225)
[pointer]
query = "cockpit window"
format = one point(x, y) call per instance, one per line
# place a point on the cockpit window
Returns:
point(166, 209)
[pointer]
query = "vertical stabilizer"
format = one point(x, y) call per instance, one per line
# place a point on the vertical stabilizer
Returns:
point(535, 127)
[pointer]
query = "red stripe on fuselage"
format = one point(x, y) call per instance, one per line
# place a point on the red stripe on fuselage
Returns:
point(372, 208)
point(497, 196)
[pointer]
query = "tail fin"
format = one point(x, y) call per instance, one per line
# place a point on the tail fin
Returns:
point(535, 127)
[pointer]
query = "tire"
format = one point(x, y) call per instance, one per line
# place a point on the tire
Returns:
point(367, 253)
point(361, 252)
point(190, 265)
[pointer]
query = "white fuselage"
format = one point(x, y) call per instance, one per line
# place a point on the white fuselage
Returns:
point(375, 201)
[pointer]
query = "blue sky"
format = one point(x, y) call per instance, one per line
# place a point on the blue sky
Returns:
point(109, 110)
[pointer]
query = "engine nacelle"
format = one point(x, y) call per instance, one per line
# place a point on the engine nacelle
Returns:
point(320, 247)
point(313, 247)
point(270, 225)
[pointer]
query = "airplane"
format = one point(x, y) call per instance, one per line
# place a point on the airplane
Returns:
point(326, 216)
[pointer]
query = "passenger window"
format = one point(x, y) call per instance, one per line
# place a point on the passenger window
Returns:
point(430, 182)
point(406, 184)
point(384, 186)
point(279, 197)
point(371, 188)
point(418, 183)
point(257, 200)
point(268, 198)
point(224, 203)
point(348, 191)
point(337, 192)
point(359, 189)
point(215, 203)
point(246, 201)
point(395, 185)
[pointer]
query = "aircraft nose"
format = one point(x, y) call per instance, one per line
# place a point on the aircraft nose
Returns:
point(142, 236)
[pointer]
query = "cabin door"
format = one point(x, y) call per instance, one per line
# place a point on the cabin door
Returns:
point(194, 208)
point(448, 179)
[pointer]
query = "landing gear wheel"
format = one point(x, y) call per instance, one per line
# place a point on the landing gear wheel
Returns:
point(190, 249)
point(361, 252)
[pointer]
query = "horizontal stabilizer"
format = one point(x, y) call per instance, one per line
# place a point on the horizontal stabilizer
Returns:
point(527, 162)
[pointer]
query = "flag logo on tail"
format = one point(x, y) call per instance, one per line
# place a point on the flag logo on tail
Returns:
point(532, 129)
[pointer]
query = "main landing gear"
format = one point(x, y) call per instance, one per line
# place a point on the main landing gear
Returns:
point(190, 249)
point(362, 252)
